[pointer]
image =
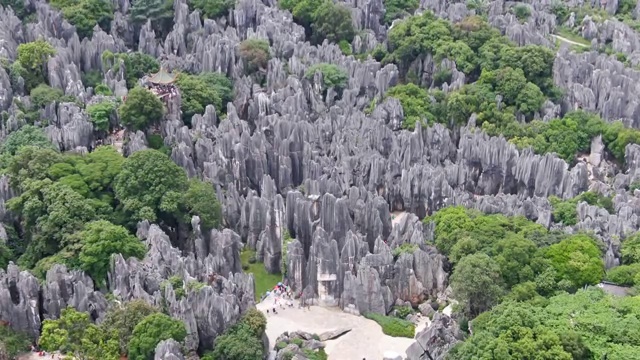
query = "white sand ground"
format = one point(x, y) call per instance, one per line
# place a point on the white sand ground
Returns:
point(35, 356)
point(365, 340)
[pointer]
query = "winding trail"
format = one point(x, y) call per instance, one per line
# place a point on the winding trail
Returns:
point(564, 39)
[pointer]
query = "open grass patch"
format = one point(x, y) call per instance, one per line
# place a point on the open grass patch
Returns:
point(263, 280)
point(393, 326)
point(570, 35)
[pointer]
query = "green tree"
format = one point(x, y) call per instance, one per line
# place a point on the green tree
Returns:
point(514, 255)
point(33, 56)
point(255, 321)
point(396, 9)
point(160, 12)
point(150, 185)
point(101, 239)
point(459, 52)
point(631, 249)
point(476, 283)
point(238, 344)
point(141, 109)
point(198, 91)
point(255, 53)
point(43, 95)
point(26, 136)
point(577, 259)
point(152, 330)
point(415, 103)
point(101, 113)
point(73, 333)
point(13, 342)
point(624, 274)
point(18, 7)
point(137, 65)
point(212, 9)
point(332, 75)
point(200, 199)
point(86, 14)
point(51, 213)
point(123, 319)
point(332, 22)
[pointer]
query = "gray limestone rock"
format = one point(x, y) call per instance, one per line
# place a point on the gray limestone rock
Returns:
point(435, 341)
point(64, 288)
point(168, 350)
point(19, 300)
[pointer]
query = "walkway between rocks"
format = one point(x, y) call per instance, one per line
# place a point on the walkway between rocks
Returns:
point(365, 340)
point(564, 39)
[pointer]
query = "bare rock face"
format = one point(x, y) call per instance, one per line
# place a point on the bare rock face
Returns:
point(435, 341)
point(168, 350)
point(19, 300)
point(75, 289)
point(207, 310)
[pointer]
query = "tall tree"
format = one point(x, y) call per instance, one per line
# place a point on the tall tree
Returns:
point(476, 283)
point(150, 186)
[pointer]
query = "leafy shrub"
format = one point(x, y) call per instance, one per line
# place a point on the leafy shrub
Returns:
point(91, 78)
point(345, 47)
point(522, 12)
point(624, 274)
point(298, 342)
point(332, 75)
point(315, 355)
point(26, 136)
point(212, 9)
point(14, 341)
point(393, 326)
point(321, 19)
point(566, 212)
point(243, 340)
point(405, 248)
point(43, 95)
point(151, 331)
point(403, 311)
point(255, 53)
point(102, 89)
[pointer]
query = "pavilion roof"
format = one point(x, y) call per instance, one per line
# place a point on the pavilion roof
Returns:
point(162, 77)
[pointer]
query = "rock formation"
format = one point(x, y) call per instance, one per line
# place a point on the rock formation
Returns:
point(315, 184)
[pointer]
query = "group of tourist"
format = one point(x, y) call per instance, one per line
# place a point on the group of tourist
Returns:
point(282, 298)
point(163, 90)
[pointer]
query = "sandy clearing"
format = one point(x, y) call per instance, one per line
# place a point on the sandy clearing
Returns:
point(365, 340)
point(35, 356)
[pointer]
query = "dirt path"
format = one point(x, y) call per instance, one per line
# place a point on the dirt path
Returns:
point(564, 39)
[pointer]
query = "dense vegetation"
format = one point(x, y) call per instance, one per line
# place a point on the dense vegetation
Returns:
point(79, 209)
point(243, 341)
point(134, 329)
point(585, 325)
point(518, 258)
point(520, 77)
point(322, 19)
point(518, 283)
point(393, 326)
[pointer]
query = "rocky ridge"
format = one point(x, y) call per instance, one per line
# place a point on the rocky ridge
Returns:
point(289, 159)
